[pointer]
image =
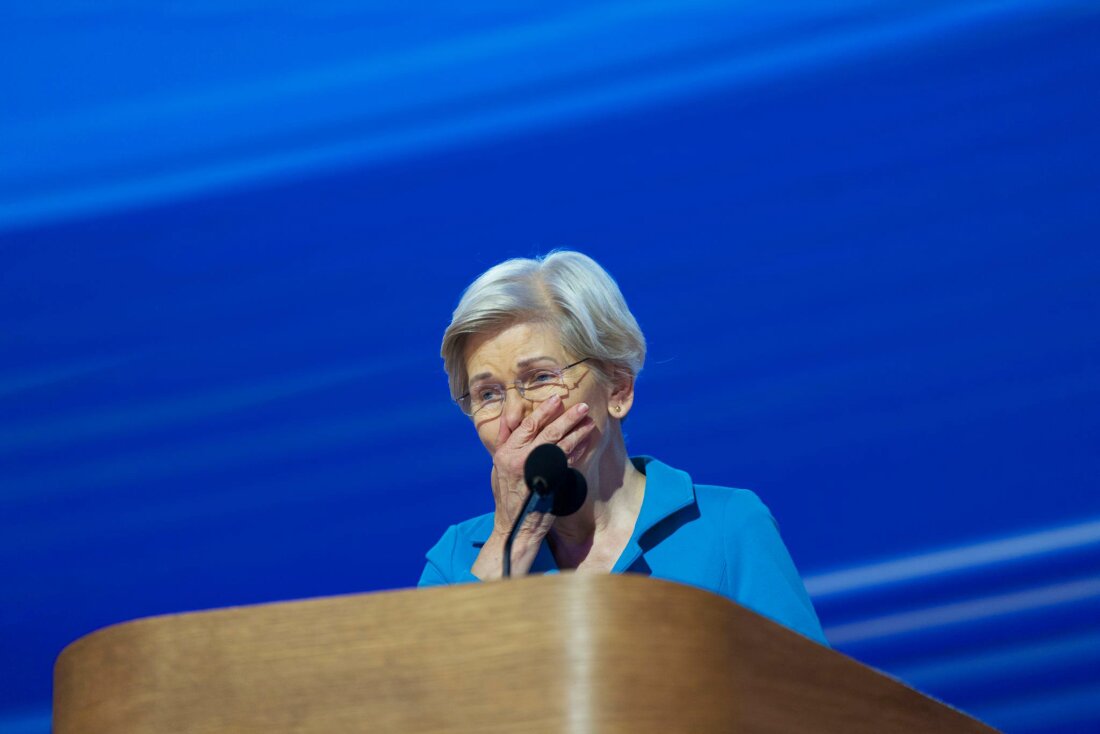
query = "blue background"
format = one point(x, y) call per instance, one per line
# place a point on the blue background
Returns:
point(860, 238)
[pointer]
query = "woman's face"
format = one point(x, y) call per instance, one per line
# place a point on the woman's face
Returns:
point(501, 357)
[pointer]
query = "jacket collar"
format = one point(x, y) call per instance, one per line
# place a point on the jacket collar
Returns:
point(667, 491)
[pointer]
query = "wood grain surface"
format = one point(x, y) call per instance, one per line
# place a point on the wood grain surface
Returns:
point(561, 653)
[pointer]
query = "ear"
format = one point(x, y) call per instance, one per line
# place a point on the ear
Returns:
point(621, 397)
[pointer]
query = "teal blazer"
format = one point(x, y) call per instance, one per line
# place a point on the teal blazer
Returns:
point(716, 538)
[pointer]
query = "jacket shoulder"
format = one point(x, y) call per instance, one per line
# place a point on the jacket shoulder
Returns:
point(731, 504)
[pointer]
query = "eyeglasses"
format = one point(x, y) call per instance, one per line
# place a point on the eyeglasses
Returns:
point(486, 401)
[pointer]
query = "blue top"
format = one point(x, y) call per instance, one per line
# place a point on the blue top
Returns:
point(716, 538)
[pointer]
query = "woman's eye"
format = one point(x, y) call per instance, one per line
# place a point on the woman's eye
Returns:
point(486, 395)
point(542, 377)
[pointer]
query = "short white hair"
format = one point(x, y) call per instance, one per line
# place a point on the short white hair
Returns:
point(565, 289)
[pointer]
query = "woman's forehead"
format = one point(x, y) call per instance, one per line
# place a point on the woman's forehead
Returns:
point(512, 349)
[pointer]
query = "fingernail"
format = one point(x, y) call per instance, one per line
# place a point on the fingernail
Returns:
point(554, 399)
point(582, 408)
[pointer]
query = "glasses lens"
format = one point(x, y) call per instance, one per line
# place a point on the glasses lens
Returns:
point(485, 400)
point(543, 385)
point(488, 410)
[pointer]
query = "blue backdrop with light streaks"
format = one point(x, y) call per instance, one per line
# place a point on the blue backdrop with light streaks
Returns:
point(861, 239)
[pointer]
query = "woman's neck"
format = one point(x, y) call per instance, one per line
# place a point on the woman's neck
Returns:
point(615, 491)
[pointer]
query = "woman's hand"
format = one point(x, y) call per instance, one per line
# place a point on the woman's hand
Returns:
point(549, 422)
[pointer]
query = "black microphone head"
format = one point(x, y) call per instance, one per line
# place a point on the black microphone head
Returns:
point(570, 497)
point(546, 469)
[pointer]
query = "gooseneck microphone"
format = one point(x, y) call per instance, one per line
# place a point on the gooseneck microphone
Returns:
point(554, 487)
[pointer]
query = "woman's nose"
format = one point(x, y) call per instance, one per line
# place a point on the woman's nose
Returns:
point(516, 406)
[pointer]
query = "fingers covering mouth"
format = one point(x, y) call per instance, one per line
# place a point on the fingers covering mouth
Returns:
point(578, 450)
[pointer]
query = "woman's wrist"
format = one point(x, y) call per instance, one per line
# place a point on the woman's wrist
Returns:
point(488, 565)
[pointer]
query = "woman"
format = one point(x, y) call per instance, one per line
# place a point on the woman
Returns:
point(546, 351)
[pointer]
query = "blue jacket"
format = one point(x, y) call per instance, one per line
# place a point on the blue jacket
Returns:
point(716, 538)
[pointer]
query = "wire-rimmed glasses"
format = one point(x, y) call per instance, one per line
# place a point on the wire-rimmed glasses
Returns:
point(487, 400)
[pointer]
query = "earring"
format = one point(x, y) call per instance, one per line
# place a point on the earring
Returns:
point(618, 408)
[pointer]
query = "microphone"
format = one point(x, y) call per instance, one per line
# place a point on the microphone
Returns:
point(554, 487)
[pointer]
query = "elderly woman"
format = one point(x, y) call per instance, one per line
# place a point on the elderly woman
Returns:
point(546, 351)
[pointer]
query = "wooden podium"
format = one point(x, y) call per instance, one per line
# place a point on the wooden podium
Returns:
point(561, 653)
